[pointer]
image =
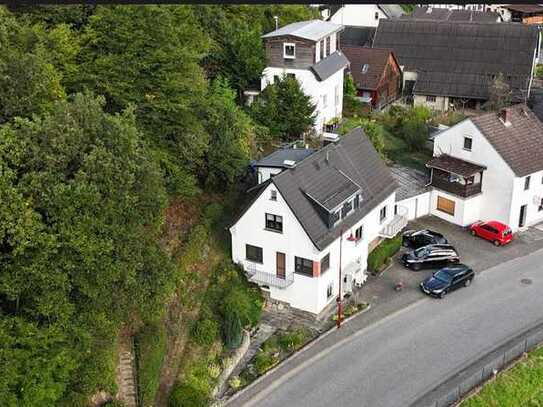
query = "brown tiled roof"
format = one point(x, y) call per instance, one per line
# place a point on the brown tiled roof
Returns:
point(376, 58)
point(455, 165)
point(525, 8)
point(520, 144)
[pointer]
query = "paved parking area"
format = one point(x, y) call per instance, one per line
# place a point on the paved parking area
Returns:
point(475, 252)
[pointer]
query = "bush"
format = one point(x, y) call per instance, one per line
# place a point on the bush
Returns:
point(380, 255)
point(232, 330)
point(205, 331)
point(192, 393)
point(265, 361)
point(292, 341)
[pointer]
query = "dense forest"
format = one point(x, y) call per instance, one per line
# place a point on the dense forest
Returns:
point(109, 114)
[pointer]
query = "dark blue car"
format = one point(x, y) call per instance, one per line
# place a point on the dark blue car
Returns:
point(447, 279)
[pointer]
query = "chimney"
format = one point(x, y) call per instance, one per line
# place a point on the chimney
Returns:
point(505, 116)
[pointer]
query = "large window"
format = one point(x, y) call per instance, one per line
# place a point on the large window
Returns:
point(468, 143)
point(303, 266)
point(289, 50)
point(325, 263)
point(253, 253)
point(274, 222)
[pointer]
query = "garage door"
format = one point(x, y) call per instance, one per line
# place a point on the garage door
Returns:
point(445, 205)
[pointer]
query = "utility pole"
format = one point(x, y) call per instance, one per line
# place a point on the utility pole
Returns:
point(339, 299)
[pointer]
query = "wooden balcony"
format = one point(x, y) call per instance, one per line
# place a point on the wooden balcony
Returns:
point(456, 188)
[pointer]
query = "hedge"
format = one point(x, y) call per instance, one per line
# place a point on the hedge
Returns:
point(383, 252)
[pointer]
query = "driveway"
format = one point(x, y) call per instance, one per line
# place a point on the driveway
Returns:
point(410, 332)
point(393, 361)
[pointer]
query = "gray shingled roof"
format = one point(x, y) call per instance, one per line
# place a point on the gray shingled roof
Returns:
point(355, 157)
point(330, 65)
point(312, 30)
point(520, 144)
point(391, 10)
point(278, 157)
point(411, 182)
point(443, 14)
point(459, 59)
point(359, 36)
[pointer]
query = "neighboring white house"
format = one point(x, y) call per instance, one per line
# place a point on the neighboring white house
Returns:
point(362, 15)
point(490, 167)
point(288, 238)
point(309, 51)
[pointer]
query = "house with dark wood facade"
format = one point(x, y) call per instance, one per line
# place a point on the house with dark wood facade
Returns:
point(376, 74)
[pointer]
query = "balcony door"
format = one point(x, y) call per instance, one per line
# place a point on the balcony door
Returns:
point(280, 268)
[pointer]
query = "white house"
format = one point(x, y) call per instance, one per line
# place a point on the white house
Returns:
point(288, 239)
point(362, 15)
point(490, 167)
point(309, 51)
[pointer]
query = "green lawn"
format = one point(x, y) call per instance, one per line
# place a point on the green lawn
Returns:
point(522, 386)
point(396, 151)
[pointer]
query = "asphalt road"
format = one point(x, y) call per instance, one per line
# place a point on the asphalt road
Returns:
point(395, 360)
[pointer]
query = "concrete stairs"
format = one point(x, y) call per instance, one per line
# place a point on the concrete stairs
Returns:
point(126, 376)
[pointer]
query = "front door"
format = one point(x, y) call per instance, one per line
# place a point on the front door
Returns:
point(280, 261)
point(522, 217)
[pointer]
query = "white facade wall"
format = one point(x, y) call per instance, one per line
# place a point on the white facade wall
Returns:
point(265, 173)
point(441, 103)
point(361, 15)
point(416, 206)
point(305, 293)
point(327, 95)
point(528, 198)
point(497, 184)
point(466, 211)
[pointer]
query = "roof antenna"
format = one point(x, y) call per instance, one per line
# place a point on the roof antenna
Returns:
point(276, 18)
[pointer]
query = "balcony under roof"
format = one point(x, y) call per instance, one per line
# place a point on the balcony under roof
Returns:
point(455, 165)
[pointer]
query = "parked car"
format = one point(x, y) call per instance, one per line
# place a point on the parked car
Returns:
point(432, 256)
point(419, 238)
point(447, 279)
point(494, 231)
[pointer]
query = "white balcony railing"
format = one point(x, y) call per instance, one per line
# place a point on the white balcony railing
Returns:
point(398, 222)
point(261, 277)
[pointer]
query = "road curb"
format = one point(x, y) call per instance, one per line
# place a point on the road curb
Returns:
point(300, 351)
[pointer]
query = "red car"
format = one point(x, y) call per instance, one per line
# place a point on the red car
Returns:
point(497, 232)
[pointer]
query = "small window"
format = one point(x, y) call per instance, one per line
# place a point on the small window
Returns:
point(273, 195)
point(325, 263)
point(377, 15)
point(365, 68)
point(289, 50)
point(356, 201)
point(324, 101)
point(540, 205)
point(359, 232)
point(395, 210)
point(430, 98)
point(468, 142)
point(382, 214)
point(276, 78)
point(330, 290)
point(274, 222)
point(527, 183)
point(303, 266)
point(347, 208)
point(253, 253)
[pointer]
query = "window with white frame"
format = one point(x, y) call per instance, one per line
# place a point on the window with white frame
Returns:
point(382, 214)
point(468, 143)
point(377, 15)
point(273, 195)
point(324, 101)
point(365, 68)
point(289, 50)
point(330, 290)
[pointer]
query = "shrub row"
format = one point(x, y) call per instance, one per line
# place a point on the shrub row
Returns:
point(380, 255)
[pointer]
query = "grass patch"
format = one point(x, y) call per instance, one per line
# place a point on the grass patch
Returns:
point(350, 310)
point(150, 343)
point(520, 386)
